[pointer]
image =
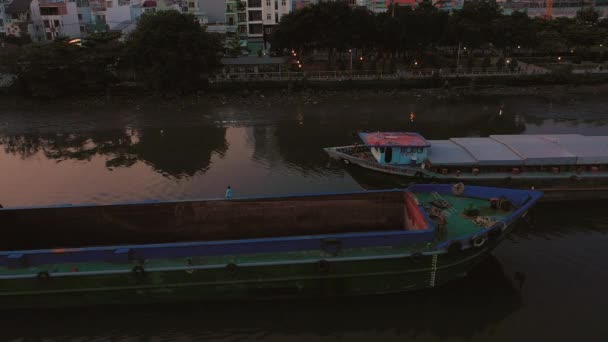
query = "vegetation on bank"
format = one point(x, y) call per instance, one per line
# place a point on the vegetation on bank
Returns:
point(167, 52)
point(170, 53)
point(427, 34)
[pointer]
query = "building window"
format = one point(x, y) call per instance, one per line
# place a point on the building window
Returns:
point(49, 36)
point(276, 17)
point(283, 3)
point(1, 22)
point(255, 15)
point(256, 28)
point(56, 23)
point(254, 3)
point(81, 28)
point(267, 3)
point(80, 16)
point(108, 4)
point(243, 29)
point(276, 4)
point(46, 23)
point(191, 4)
point(49, 11)
point(268, 16)
point(242, 17)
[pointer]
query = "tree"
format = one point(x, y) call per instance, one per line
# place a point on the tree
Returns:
point(234, 47)
point(169, 50)
point(59, 68)
point(587, 16)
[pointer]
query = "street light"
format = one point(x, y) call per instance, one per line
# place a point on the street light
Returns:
point(559, 58)
point(350, 52)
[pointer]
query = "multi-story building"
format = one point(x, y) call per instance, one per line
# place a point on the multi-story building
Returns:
point(555, 8)
point(255, 20)
point(59, 19)
point(3, 19)
point(23, 19)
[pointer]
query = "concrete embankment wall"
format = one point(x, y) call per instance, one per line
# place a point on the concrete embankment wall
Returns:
point(430, 82)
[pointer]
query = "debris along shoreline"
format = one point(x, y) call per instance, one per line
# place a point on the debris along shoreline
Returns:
point(252, 97)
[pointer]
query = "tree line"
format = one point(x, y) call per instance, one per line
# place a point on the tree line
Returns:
point(335, 27)
point(167, 52)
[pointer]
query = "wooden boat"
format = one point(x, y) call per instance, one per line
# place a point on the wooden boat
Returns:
point(307, 245)
point(562, 165)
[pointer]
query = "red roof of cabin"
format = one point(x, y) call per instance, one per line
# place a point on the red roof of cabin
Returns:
point(394, 139)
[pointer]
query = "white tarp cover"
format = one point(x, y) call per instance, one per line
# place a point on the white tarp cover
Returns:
point(489, 152)
point(446, 152)
point(588, 149)
point(536, 150)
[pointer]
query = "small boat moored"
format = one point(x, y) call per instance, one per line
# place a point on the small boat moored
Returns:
point(364, 242)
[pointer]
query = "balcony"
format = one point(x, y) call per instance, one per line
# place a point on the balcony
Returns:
point(46, 3)
point(254, 3)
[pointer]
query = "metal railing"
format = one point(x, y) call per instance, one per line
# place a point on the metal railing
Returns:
point(367, 75)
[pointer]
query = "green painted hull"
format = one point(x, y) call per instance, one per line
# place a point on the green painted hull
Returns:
point(335, 277)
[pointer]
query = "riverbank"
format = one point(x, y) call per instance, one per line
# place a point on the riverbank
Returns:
point(252, 98)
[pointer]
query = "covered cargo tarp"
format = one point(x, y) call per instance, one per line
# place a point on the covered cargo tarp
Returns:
point(446, 152)
point(489, 152)
point(536, 150)
point(588, 149)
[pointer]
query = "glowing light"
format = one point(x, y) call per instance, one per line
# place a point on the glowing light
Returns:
point(415, 63)
point(360, 58)
point(559, 58)
point(519, 46)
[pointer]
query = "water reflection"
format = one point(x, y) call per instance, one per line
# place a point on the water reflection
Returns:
point(172, 151)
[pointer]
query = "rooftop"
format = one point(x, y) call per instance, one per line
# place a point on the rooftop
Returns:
point(18, 6)
point(406, 139)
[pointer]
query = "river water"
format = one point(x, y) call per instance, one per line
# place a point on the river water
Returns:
point(138, 151)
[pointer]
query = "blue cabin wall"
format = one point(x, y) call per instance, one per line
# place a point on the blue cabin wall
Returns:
point(401, 155)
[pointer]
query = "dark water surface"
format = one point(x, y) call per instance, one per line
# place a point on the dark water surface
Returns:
point(60, 155)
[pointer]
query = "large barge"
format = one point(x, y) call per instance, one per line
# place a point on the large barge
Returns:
point(563, 165)
point(365, 242)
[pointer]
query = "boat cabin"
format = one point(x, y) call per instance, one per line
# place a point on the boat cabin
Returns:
point(397, 148)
